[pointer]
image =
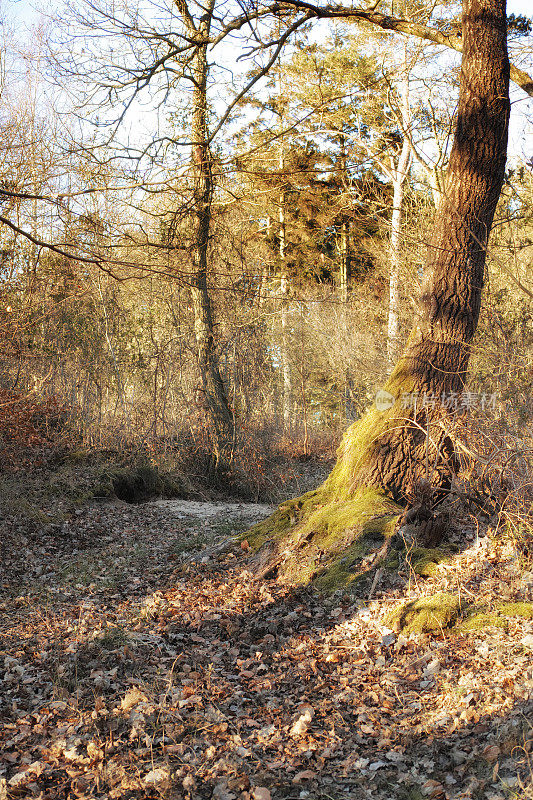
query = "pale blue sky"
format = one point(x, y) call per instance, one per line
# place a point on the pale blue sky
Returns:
point(23, 14)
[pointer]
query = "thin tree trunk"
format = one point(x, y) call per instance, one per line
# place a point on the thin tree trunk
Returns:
point(285, 362)
point(398, 183)
point(345, 277)
point(284, 291)
point(345, 260)
point(215, 396)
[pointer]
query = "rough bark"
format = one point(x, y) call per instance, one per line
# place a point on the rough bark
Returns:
point(326, 535)
point(216, 403)
point(395, 452)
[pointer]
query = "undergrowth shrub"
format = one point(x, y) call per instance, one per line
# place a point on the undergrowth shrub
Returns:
point(28, 426)
point(496, 476)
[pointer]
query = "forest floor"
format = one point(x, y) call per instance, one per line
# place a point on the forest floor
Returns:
point(142, 660)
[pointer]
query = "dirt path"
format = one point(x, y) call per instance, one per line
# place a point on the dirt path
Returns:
point(193, 508)
point(136, 667)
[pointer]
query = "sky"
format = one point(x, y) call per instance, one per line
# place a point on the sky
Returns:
point(24, 14)
point(521, 126)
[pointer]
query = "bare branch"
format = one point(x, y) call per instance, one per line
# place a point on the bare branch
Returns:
point(404, 26)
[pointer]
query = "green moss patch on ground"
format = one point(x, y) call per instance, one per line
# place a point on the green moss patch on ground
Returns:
point(424, 561)
point(477, 618)
point(444, 611)
point(342, 572)
point(479, 621)
point(522, 609)
point(432, 613)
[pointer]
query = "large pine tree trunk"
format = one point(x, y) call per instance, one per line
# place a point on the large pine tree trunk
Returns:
point(385, 449)
point(386, 453)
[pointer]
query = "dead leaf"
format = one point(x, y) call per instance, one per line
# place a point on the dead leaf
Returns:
point(188, 783)
point(434, 789)
point(299, 728)
point(94, 752)
point(306, 775)
point(132, 697)
point(491, 753)
point(261, 793)
point(156, 776)
point(221, 791)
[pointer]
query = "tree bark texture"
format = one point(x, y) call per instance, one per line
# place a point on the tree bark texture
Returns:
point(217, 406)
point(398, 447)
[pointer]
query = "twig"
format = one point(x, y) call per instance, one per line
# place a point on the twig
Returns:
point(377, 577)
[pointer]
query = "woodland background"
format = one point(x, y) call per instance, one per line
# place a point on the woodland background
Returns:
point(214, 223)
point(326, 158)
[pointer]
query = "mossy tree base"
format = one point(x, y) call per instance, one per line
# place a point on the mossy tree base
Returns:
point(337, 533)
point(322, 538)
point(398, 448)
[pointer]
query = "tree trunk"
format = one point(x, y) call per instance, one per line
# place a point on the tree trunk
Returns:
point(400, 172)
point(216, 402)
point(286, 397)
point(284, 291)
point(391, 451)
point(344, 253)
point(384, 455)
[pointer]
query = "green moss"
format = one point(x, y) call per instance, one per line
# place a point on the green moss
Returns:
point(322, 536)
point(353, 449)
point(522, 609)
point(364, 435)
point(278, 524)
point(381, 526)
point(391, 561)
point(369, 511)
point(434, 613)
point(415, 794)
point(424, 561)
point(334, 535)
point(480, 621)
point(342, 572)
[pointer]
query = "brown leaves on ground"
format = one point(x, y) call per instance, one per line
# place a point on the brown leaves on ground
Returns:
point(184, 679)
